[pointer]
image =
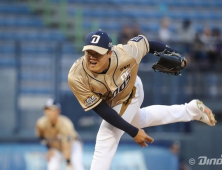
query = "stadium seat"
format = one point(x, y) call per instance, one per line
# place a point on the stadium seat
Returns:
point(7, 60)
point(37, 50)
point(68, 48)
point(14, 9)
point(27, 90)
point(110, 26)
point(150, 27)
point(7, 49)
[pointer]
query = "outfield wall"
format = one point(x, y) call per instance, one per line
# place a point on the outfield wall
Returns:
point(32, 157)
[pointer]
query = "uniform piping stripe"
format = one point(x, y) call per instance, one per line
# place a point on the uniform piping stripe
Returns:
point(146, 45)
point(116, 68)
point(127, 102)
point(92, 77)
point(107, 95)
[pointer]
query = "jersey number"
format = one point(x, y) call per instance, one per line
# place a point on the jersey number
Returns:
point(122, 86)
point(95, 39)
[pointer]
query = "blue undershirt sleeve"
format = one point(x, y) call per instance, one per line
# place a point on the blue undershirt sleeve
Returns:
point(112, 117)
point(159, 47)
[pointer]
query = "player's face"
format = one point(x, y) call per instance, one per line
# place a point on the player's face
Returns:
point(52, 113)
point(97, 62)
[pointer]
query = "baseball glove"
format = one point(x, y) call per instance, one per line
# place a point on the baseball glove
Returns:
point(169, 62)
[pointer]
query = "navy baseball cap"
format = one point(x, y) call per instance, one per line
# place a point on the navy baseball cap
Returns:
point(98, 41)
point(51, 103)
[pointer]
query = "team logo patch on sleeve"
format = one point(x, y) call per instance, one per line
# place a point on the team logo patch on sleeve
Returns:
point(90, 100)
point(136, 39)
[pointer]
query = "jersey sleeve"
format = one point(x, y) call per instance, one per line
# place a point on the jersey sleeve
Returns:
point(137, 47)
point(83, 93)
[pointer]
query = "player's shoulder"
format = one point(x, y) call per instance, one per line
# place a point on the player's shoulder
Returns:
point(138, 38)
point(65, 119)
point(41, 121)
point(131, 42)
point(76, 72)
point(77, 66)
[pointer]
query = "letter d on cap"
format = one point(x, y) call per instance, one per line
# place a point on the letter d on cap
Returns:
point(95, 39)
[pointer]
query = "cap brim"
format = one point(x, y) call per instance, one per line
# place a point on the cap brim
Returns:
point(99, 50)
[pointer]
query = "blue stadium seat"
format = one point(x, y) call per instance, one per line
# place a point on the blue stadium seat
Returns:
point(29, 90)
point(14, 9)
point(29, 22)
point(21, 22)
point(110, 26)
point(211, 3)
point(113, 14)
point(87, 25)
point(35, 77)
point(198, 28)
point(51, 35)
point(57, 35)
point(178, 15)
point(204, 16)
point(126, 14)
point(32, 35)
point(146, 2)
point(215, 16)
point(7, 22)
point(7, 49)
point(152, 15)
point(151, 27)
point(68, 48)
point(55, 1)
point(132, 2)
point(100, 13)
point(88, 13)
point(23, 35)
point(218, 4)
point(37, 61)
point(194, 16)
point(72, 12)
point(37, 50)
point(142, 14)
point(7, 59)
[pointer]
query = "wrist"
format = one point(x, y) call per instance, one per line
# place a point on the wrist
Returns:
point(133, 131)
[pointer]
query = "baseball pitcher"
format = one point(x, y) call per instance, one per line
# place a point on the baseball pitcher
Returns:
point(58, 134)
point(105, 80)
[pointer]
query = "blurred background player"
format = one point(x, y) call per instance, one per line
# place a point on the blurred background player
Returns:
point(58, 134)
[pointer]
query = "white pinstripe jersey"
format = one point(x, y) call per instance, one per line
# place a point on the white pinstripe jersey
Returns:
point(115, 86)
